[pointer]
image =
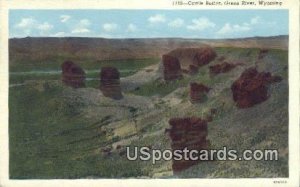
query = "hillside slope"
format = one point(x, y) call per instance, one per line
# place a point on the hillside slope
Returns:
point(79, 133)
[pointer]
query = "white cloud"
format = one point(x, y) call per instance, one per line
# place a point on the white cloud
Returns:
point(58, 34)
point(228, 28)
point(231, 29)
point(45, 26)
point(109, 27)
point(178, 22)
point(82, 27)
point(26, 23)
point(131, 28)
point(158, 18)
point(201, 24)
point(64, 18)
point(80, 30)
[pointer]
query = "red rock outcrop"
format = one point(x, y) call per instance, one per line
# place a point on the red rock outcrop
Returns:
point(171, 68)
point(204, 56)
point(110, 82)
point(221, 68)
point(72, 74)
point(187, 133)
point(251, 87)
point(198, 92)
point(193, 56)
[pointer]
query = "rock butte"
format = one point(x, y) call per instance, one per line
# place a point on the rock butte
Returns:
point(187, 133)
point(188, 60)
point(198, 92)
point(171, 68)
point(72, 75)
point(251, 87)
point(110, 83)
point(204, 56)
point(197, 56)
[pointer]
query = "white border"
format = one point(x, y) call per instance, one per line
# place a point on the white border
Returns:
point(291, 5)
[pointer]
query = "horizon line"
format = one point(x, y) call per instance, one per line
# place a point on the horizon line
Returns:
point(184, 38)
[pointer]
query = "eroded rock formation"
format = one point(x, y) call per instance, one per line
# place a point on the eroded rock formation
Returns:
point(221, 68)
point(198, 92)
point(72, 74)
point(204, 56)
point(187, 133)
point(171, 68)
point(252, 87)
point(110, 82)
point(193, 56)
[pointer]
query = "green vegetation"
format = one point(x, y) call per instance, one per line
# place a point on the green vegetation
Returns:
point(21, 72)
point(160, 88)
point(87, 64)
point(50, 138)
point(54, 134)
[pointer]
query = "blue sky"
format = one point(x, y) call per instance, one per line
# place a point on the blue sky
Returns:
point(148, 23)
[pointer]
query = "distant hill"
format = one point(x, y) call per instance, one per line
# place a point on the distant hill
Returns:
point(41, 49)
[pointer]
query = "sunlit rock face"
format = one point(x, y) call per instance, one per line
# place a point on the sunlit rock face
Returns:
point(110, 83)
point(73, 75)
point(251, 87)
